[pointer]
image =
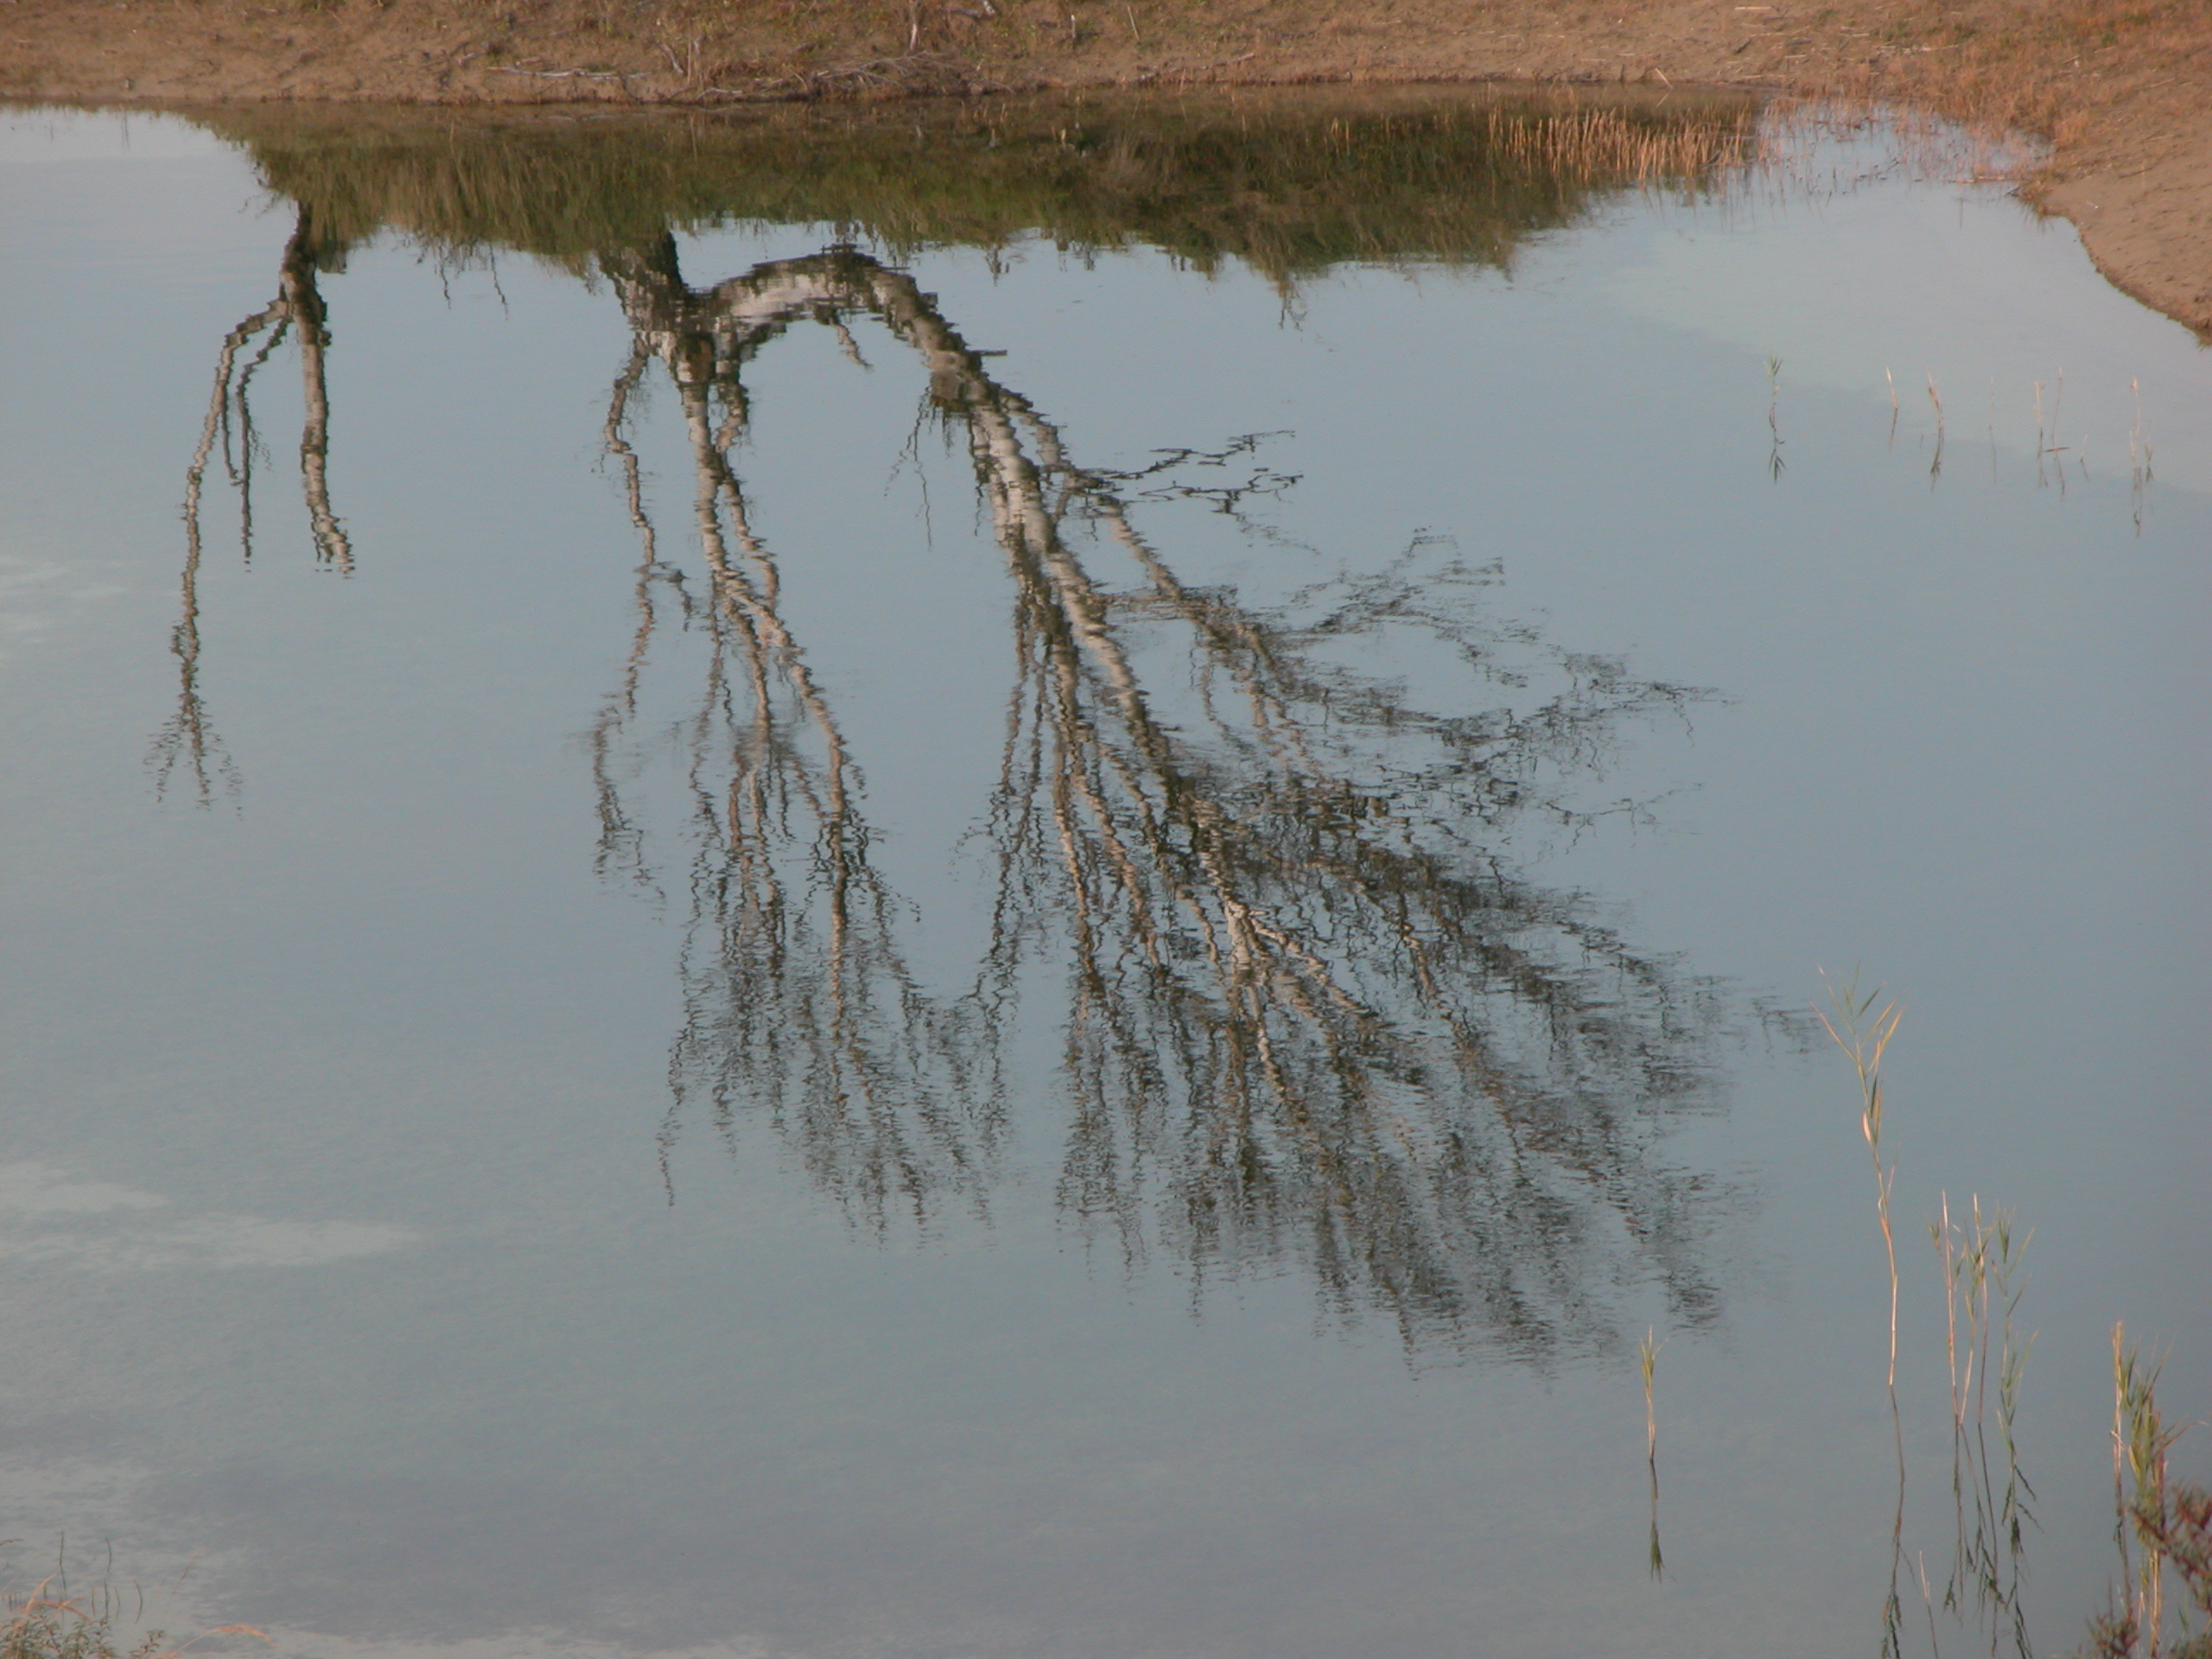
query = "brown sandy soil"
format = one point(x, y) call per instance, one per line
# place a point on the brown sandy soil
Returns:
point(2121, 89)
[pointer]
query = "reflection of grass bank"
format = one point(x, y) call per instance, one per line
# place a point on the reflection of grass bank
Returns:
point(1289, 182)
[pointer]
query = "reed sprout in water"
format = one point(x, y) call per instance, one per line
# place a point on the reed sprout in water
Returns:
point(1864, 1031)
point(1981, 1295)
point(1647, 1360)
point(1935, 399)
point(1982, 1287)
point(2163, 1529)
point(1775, 465)
point(2138, 456)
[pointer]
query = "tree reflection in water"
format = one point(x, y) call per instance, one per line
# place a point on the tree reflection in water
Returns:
point(1310, 1010)
point(1311, 1007)
point(187, 743)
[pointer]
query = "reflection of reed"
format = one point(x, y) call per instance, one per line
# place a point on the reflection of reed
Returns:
point(1310, 1011)
point(1647, 1360)
point(1981, 1291)
point(1864, 1033)
point(1618, 147)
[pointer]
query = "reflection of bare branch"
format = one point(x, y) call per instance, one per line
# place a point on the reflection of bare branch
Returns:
point(238, 459)
point(798, 1002)
point(187, 739)
point(1342, 1030)
point(1311, 1011)
point(621, 841)
point(297, 310)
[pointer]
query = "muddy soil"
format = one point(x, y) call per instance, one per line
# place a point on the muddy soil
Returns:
point(2120, 90)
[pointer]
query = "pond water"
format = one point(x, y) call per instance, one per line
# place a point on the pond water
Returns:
point(1019, 882)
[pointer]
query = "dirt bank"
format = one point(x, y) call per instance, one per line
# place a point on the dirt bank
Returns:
point(2122, 89)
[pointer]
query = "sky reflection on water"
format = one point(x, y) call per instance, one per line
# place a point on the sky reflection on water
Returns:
point(1261, 780)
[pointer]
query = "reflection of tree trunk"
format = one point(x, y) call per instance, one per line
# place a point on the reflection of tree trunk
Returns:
point(297, 310)
point(1305, 1000)
point(304, 300)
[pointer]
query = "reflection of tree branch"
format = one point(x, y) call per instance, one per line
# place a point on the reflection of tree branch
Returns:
point(239, 462)
point(188, 739)
point(621, 841)
point(298, 310)
point(1311, 1010)
point(797, 1000)
point(1373, 1049)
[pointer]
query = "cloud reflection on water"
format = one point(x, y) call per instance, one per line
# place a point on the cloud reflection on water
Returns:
point(53, 1218)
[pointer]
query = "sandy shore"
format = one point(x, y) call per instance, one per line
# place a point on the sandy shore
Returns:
point(2120, 90)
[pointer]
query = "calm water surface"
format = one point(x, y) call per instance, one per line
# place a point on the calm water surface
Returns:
point(1017, 884)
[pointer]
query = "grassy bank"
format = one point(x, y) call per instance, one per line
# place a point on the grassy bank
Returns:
point(2115, 86)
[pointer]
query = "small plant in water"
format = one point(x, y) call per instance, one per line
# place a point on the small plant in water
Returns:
point(1981, 1295)
point(2162, 1530)
point(45, 1626)
point(1775, 464)
point(1936, 397)
point(2138, 456)
point(39, 1625)
point(1863, 1031)
point(1647, 1362)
